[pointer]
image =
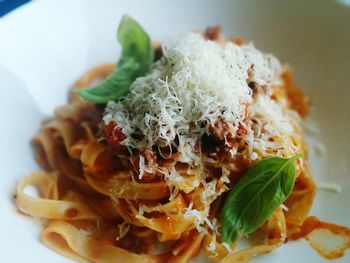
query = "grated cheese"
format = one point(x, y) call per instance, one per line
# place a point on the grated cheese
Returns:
point(123, 230)
point(198, 217)
point(212, 191)
point(212, 245)
point(173, 192)
point(196, 83)
point(225, 173)
point(284, 207)
point(141, 166)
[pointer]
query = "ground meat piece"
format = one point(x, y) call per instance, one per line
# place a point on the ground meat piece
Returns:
point(158, 52)
point(114, 136)
point(221, 130)
point(241, 130)
point(212, 33)
point(222, 144)
point(136, 244)
point(253, 86)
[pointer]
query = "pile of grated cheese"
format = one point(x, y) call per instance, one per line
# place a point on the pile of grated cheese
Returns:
point(196, 83)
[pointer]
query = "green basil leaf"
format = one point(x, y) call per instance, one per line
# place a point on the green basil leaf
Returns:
point(136, 58)
point(135, 44)
point(256, 196)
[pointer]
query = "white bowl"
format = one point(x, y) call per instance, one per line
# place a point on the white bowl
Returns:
point(46, 45)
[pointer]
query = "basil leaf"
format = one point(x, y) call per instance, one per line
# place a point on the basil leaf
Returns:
point(135, 43)
point(256, 196)
point(136, 58)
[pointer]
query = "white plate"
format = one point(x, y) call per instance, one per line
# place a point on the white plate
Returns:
point(46, 45)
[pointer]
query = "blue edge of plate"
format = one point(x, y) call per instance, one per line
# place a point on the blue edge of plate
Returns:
point(7, 6)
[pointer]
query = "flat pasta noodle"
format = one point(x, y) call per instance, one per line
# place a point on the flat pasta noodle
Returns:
point(45, 151)
point(68, 131)
point(190, 247)
point(53, 143)
point(71, 242)
point(128, 189)
point(176, 206)
point(49, 206)
point(219, 252)
point(126, 211)
point(91, 151)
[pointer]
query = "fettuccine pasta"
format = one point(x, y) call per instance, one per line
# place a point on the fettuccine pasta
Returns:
point(103, 200)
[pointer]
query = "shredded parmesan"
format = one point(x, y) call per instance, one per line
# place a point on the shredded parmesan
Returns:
point(284, 207)
point(141, 166)
point(225, 173)
point(198, 217)
point(173, 192)
point(212, 245)
point(212, 190)
point(123, 230)
point(196, 83)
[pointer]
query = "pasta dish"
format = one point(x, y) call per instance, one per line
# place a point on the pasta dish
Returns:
point(182, 148)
